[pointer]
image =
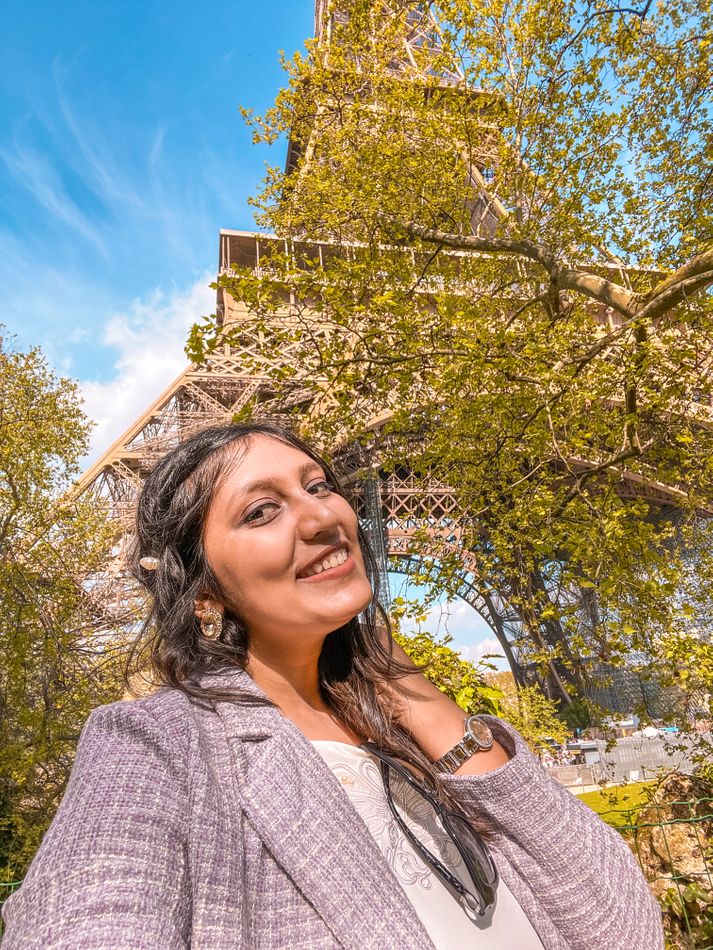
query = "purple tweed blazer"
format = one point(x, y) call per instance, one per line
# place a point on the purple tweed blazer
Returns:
point(223, 829)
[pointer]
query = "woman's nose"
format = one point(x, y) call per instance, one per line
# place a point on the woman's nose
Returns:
point(316, 516)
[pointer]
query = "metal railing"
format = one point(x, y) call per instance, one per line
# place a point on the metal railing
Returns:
point(675, 852)
point(630, 760)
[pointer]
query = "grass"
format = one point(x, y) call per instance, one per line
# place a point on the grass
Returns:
point(618, 805)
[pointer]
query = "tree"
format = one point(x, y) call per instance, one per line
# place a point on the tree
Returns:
point(530, 712)
point(56, 660)
point(500, 244)
point(464, 681)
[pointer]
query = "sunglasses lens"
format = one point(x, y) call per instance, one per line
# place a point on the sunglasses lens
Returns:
point(449, 839)
point(473, 846)
point(422, 819)
point(476, 857)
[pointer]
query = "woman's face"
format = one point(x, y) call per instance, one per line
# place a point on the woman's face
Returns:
point(284, 547)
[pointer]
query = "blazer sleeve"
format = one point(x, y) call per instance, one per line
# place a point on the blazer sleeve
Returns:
point(580, 871)
point(111, 871)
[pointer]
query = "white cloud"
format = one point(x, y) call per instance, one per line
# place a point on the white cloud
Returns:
point(474, 651)
point(456, 618)
point(470, 634)
point(149, 339)
point(39, 177)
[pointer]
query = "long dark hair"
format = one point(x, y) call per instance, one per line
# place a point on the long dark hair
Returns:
point(356, 660)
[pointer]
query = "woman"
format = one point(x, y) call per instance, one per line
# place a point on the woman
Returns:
point(261, 799)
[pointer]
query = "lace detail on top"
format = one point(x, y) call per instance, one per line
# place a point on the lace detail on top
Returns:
point(445, 919)
point(360, 776)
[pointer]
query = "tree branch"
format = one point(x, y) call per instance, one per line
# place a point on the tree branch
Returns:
point(598, 288)
point(591, 285)
point(692, 277)
point(533, 252)
point(584, 477)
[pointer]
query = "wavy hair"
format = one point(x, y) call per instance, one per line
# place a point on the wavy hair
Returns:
point(355, 663)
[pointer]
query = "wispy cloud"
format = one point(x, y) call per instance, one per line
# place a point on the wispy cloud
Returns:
point(156, 149)
point(146, 221)
point(137, 192)
point(91, 152)
point(39, 177)
point(149, 341)
point(152, 182)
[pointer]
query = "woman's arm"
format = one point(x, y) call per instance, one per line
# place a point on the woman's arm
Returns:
point(573, 868)
point(111, 870)
point(436, 722)
point(578, 870)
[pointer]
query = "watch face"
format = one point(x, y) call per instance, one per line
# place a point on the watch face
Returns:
point(481, 732)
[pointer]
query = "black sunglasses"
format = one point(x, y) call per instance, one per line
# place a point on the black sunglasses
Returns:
point(467, 841)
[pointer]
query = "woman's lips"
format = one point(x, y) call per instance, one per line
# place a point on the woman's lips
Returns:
point(332, 572)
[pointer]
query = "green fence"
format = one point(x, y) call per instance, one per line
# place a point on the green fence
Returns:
point(674, 844)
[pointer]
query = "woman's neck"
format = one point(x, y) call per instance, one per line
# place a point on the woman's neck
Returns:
point(287, 680)
point(292, 683)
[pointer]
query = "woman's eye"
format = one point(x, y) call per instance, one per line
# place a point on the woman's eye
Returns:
point(320, 487)
point(260, 514)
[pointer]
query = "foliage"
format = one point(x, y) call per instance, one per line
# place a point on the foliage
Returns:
point(55, 663)
point(704, 774)
point(460, 679)
point(577, 715)
point(667, 826)
point(527, 708)
point(672, 837)
point(688, 917)
point(691, 656)
point(501, 248)
point(619, 805)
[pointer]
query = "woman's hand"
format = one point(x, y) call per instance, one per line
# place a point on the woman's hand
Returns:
point(435, 720)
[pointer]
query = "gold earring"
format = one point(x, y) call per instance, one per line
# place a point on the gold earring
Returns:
point(211, 623)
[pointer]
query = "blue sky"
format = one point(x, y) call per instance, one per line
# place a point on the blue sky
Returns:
point(122, 154)
point(469, 633)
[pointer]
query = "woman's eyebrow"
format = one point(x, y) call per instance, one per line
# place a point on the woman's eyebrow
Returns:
point(274, 484)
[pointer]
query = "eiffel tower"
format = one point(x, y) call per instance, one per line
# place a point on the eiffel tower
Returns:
point(393, 505)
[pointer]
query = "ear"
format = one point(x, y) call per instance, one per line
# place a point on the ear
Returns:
point(204, 602)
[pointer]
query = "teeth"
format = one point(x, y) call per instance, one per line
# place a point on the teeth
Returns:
point(334, 560)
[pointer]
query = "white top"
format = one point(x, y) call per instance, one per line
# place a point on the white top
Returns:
point(446, 921)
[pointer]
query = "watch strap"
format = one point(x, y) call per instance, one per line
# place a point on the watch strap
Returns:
point(468, 746)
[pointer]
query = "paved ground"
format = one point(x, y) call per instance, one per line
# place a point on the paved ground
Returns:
point(630, 760)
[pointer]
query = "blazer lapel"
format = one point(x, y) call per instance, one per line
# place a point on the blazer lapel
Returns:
point(305, 819)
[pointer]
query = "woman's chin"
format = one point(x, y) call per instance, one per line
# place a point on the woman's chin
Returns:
point(339, 612)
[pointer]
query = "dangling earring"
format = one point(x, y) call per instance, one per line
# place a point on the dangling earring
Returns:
point(211, 623)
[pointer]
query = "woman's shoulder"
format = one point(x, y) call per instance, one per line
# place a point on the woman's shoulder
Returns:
point(168, 715)
point(172, 726)
point(162, 703)
point(161, 721)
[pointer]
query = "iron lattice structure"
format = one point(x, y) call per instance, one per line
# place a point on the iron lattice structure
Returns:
point(396, 507)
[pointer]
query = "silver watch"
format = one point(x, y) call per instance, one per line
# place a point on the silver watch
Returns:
point(477, 736)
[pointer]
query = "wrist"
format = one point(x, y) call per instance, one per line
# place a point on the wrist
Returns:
point(477, 737)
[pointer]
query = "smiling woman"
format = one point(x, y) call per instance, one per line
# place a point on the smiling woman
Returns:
point(285, 554)
point(296, 781)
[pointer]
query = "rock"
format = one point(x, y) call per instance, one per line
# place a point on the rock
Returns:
point(674, 842)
